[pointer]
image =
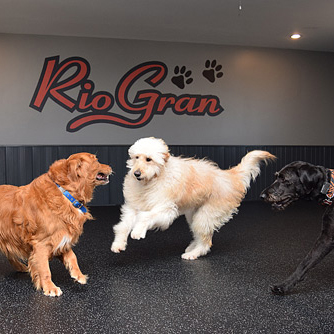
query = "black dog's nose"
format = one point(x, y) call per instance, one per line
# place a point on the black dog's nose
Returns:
point(263, 195)
point(137, 173)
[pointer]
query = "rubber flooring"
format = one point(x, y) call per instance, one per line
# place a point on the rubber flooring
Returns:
point(150, 289)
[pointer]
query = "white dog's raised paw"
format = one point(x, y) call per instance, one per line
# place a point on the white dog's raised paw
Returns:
point(117, 247)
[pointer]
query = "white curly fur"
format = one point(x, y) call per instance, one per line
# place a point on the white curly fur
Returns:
point(160, 187)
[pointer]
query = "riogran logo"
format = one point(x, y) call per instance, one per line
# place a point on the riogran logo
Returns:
point(58, 79)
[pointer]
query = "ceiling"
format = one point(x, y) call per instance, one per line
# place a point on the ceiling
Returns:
point(262, 23)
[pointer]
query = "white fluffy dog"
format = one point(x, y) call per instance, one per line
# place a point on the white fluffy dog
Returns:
point(159, 187)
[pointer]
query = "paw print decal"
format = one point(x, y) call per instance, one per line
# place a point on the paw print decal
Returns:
point(212, 71)
point(182, 77)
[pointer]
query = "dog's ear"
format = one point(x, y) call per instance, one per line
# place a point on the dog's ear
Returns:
point(166, 156)
point(309, 177)
point(58, 171)
point(73, 168)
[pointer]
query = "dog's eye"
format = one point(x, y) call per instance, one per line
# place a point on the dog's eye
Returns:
point(148, 159)
point(137, 157)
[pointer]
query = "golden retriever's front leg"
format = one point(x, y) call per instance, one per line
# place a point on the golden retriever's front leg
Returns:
point(71, 263)
point(40, 273)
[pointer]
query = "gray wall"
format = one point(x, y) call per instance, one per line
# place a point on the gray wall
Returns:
point(269, 96)
point(278, 100)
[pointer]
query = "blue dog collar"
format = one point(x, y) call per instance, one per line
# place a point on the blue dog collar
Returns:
point(75, 203)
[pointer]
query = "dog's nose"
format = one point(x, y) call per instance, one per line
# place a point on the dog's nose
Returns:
point(137, 173)
point(263, 195)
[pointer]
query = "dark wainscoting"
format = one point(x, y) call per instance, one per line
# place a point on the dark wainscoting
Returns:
point(19, 165)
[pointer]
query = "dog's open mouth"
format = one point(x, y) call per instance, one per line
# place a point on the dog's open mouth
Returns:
point(103, 178)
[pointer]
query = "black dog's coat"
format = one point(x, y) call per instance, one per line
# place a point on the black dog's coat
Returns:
point(303, 180)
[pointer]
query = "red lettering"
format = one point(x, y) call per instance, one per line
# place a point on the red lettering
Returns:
point(165, 102)
point(143, 104)
point(132, 76)
point(100, 101)
point(197, 105)
point(83, 96)
point(178, 105)
point(53, 83)
point(50, 86)
point(210, 105)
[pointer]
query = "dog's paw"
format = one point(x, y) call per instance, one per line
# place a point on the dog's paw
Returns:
point(138, 234)
point(117, 247)
point(82, 279)
point(189, 256)
point(278, 290)
point(52, 291)
point(194, 251)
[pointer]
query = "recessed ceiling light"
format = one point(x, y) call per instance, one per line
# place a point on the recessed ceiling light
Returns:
point(295, 36)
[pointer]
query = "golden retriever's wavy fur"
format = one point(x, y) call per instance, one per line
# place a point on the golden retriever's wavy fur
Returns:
point(160, 187)
point(38, 222)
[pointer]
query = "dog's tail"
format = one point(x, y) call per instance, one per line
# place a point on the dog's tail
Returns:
point(249, 167)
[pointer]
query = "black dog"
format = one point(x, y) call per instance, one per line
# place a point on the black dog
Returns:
point(303, 180)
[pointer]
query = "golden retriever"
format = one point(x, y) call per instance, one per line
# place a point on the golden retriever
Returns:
point(160, 187)
point(39, 221)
